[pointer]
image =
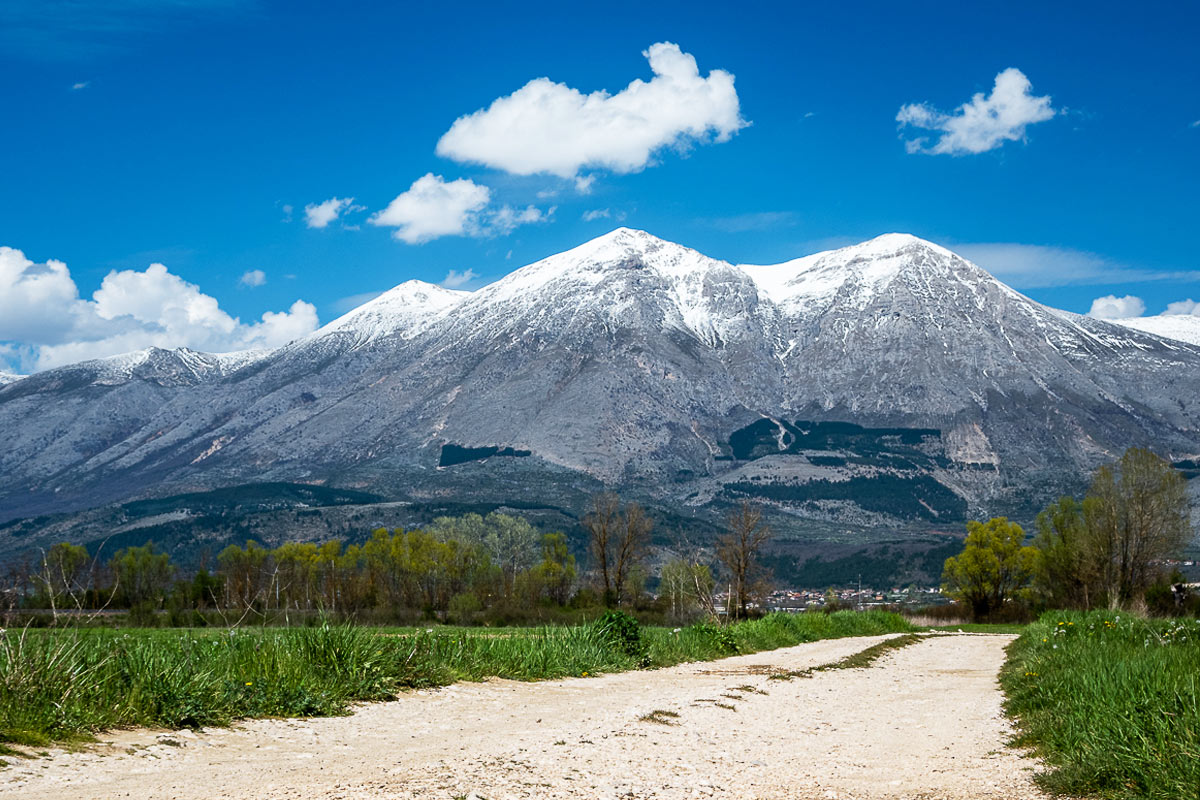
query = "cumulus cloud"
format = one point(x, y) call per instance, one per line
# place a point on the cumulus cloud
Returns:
point(45, 321)
point(433, 207)
point(597, 213)
point(982, 124)
point(255, 277)
point(548, 127)
point(1113, 307)
point(1181, 308)
point(454, 279)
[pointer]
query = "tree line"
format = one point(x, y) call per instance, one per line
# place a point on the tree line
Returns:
point(459, 569)
point(1109, 549)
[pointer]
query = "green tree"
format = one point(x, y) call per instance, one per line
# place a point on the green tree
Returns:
point(142, 576)
point(65, 576)
point(1067, 570)
point(554, 576)
point(1137, 514)
point(993, 566)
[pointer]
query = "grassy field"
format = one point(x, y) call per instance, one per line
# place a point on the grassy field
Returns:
point(59, 685)
point(1111, 701)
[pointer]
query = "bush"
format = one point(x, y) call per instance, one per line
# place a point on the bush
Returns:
point(624, 633)
point(719, 638)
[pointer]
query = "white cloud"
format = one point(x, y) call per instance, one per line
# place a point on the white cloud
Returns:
point(433, 207)
point(506, 218)
point(255, 277)
point(583, 184)
point(43, 318)
point(455, 279)
point(1030, 266)
point(1180, 308)
point(1195, 124)
point(319, 215)
point(287, 212)
point(548, 127)
point(1113, 307)
point(984, 123)
point(81, 85)
point(596, 213)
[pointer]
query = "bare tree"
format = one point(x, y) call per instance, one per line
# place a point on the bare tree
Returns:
point(633, 543)
point(619, 541)
point(738, 550)
point(601, 524)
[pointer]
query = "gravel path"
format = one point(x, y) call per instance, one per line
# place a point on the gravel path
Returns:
point(923, 722)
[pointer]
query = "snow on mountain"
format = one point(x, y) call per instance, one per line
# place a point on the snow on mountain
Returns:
point(403, 310)
point(1184, 327)
point(8, 377)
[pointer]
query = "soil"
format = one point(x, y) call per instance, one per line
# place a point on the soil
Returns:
point(924, 721)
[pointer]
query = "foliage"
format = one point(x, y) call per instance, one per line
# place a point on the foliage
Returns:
point(1110, 701)
point(992, 568)
point(624, 633)
point(1107, 549)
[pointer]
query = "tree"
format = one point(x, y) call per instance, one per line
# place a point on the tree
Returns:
point(738, 550)
point(619, 539)
point(556, 573)
point(633, 542)
point(1066, 572)
point(1137, 514)
point(65, 575)
point(601, 524)
point(142, 576)
point(992, 568)
point(687, 585)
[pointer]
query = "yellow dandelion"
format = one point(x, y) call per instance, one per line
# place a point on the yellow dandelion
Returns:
point(249, 683)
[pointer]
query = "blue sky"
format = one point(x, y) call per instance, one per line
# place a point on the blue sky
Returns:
point(194, 134)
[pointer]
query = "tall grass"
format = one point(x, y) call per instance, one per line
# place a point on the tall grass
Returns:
point(1111, 701)
point(67, 684)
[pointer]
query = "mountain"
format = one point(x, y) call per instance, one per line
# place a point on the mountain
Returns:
point(887, 386)
point(1184, 327)
point(8, 377)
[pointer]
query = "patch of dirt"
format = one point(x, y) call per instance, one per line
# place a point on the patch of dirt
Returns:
point(922, 722)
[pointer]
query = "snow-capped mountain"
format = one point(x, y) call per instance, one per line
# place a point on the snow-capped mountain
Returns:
point(845, 385)
point(8, 377)
point(1184, 327)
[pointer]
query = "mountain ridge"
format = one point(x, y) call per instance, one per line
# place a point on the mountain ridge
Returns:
point(634, 362)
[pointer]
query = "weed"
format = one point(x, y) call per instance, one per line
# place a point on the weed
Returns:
point(660, 717)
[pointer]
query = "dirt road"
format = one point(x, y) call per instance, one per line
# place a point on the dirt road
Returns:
point(923, 722)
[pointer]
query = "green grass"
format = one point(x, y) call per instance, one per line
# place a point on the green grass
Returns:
point(67, 684)
point(1111, 702)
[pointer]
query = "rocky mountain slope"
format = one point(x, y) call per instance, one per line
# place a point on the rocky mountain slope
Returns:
point(889, 383)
